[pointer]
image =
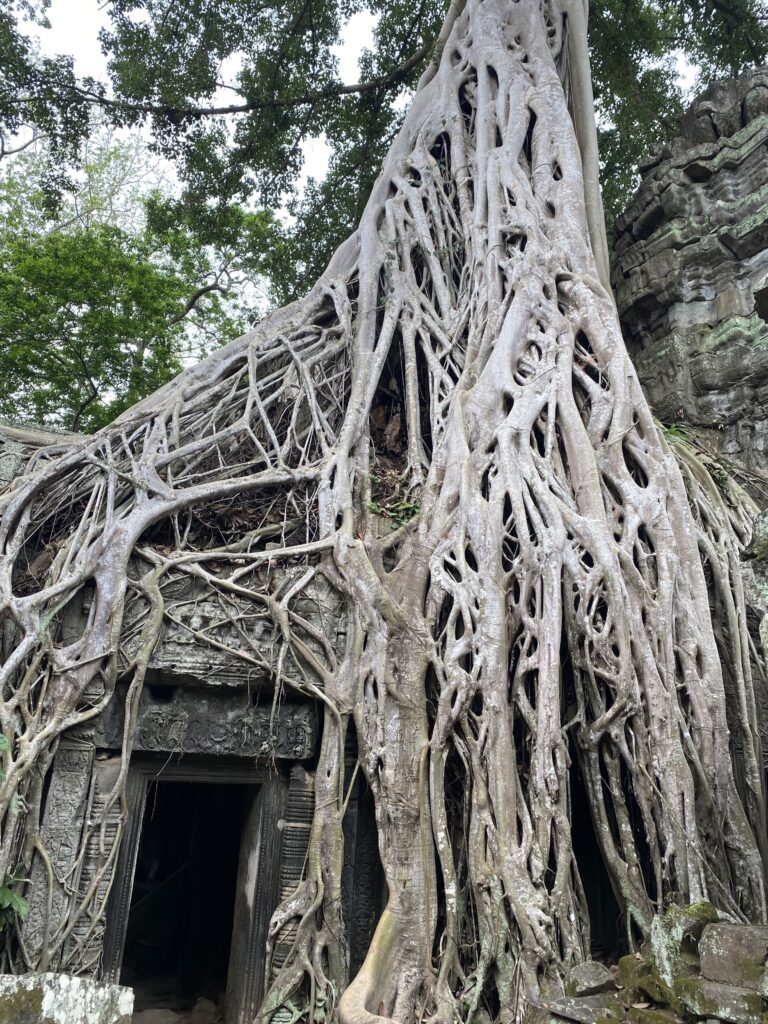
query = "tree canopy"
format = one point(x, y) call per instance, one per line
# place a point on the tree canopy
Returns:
point(99, 306)
point(229, 92)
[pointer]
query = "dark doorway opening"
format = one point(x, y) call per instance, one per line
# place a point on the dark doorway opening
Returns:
point(605, 920)
point(179, 933)
point(363, 885)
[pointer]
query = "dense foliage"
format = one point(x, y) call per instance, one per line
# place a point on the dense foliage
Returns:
point(98, 307)
point(230, 90)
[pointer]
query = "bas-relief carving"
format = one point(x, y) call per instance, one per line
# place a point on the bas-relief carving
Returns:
point(61, 834)
point(83, 949)
point(182, 654)
point(197, 721)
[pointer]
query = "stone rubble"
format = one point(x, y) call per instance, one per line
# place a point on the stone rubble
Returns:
point(697, 968)
point(62, 999)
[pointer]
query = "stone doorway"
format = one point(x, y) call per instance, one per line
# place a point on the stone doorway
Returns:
point(179, 934)
point(196, 882)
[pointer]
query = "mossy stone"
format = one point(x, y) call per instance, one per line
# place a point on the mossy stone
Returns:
point(651, 1015)
point(598, 1009)
point(640, 976)
point(22, 1006)
point(734, 954)
point(52, 998)
point(730, 1003)
point(675, 940)
point(588, 979)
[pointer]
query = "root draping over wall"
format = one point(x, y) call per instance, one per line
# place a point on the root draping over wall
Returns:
point(448, 430)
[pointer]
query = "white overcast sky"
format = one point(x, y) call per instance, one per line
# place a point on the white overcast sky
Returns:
point(74, 30)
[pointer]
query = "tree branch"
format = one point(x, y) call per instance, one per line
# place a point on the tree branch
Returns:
point(195, 297)
point(179, 114)
point(12, 151)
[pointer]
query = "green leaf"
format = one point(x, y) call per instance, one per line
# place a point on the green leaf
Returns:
point(19, 906)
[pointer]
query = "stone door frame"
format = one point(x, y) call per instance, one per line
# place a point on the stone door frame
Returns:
point(146, 769)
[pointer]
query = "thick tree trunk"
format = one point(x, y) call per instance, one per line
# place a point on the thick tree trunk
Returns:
point(544, 598)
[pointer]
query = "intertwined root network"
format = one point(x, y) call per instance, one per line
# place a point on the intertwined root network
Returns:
point(447, 434)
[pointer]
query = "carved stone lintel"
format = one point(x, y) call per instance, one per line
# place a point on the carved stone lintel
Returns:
point(199, 721)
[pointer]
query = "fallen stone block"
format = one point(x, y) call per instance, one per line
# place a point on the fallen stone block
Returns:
point(734, 954)
point(62, 999)
point(589, 979)
point(638, 975)
point(729, 1003)
point(652, 1015)
point(598, 1009)
point(675, 939)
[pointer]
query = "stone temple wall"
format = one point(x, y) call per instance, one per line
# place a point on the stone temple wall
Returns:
point(690, 272)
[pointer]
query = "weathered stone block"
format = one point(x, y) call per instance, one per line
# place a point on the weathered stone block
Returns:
point(589, 979)
point(675, 939)
point(62, 999)
point(639, 976)
point(723, 1002)
point(651, 1015)
point(691, 256)
point(734, 954)
point(598, 1009)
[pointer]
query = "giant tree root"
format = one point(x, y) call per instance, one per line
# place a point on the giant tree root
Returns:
point(551, 593)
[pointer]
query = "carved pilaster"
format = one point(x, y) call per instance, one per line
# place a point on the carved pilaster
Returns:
point(296, 828)
point(258, 880)
point(60, 834)
point(83, 949)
